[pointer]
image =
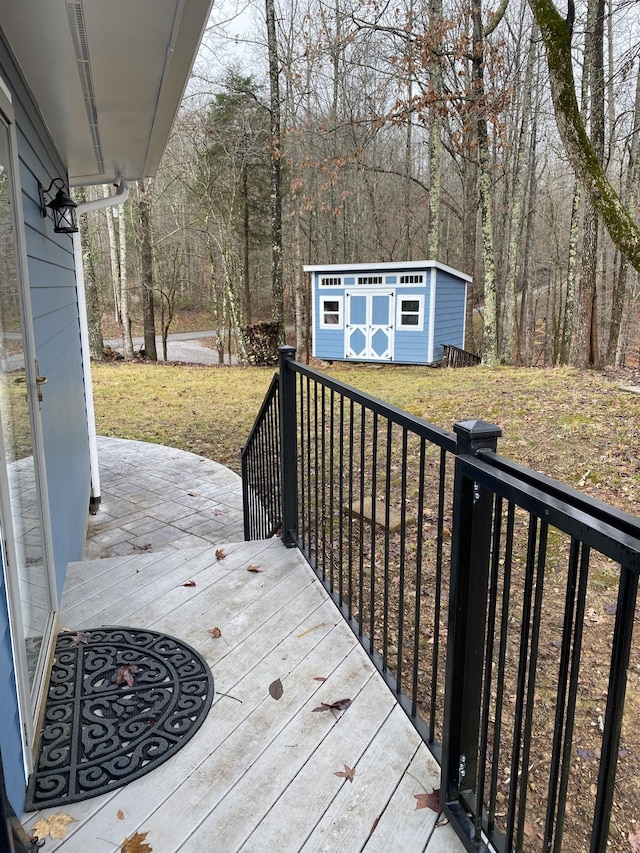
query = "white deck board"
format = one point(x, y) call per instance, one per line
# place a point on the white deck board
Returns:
point(259, 773)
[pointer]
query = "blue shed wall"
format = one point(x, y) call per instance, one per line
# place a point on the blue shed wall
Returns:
point(411, 345)
point(448, 325)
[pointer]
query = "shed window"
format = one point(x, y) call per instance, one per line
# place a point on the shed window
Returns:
point(411, 313)
point(412, 279)
point(369, 279)
point(330, 313)
point(330, 281)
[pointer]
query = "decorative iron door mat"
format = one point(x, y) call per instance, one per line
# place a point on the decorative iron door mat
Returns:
point(121, 701)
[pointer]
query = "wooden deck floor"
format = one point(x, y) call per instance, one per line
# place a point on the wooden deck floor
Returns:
point(260, 774)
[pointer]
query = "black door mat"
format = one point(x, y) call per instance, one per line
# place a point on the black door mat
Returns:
point(121, 701)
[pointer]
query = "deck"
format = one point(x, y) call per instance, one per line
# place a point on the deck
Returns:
point(260, 774)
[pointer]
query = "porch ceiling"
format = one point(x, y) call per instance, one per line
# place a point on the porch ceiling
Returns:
point(108, 77)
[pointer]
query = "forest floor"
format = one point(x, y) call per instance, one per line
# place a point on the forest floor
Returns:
point(580, 427)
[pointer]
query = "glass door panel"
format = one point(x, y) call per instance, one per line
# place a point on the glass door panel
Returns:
point(23, 533)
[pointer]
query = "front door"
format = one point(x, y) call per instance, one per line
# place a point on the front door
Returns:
point(23, 520)
point(369, 325)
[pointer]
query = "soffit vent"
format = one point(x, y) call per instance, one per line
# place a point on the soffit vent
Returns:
point(75, 15)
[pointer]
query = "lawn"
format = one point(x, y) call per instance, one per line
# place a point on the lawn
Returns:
point(576, 426)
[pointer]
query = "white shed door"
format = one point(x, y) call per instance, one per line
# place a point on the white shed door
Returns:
point(369, 324)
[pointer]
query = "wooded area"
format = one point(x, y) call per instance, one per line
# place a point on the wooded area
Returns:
point(501, 141)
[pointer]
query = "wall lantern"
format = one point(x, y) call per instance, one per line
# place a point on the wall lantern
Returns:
point(62, 207)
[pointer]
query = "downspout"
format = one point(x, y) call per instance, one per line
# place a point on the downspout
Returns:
point(119, 197)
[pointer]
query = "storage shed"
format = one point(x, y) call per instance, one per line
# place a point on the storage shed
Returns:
point(401, 312)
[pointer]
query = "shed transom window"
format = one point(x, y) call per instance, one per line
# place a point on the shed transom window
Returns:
point(330, 281)
point(411, 313)
point(369, 279)
point(330, 313)
point(413, 278)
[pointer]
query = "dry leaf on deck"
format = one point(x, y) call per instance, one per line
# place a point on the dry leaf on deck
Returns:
point(79, 638)
point(254, 569)
point(54, 826)
point(276, 689)
point(189, 583)
point(220, 554)
point(147, 547)
point(120, 814)
point(136, 844)
point(126, 674)
point(216, 633)
point(347, 773)
point(428, 801)
point(340, 705)
point(319, 678)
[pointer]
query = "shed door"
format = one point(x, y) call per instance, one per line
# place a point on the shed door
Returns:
point(369, 325)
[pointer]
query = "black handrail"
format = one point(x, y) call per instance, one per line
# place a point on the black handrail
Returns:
point(466, 577)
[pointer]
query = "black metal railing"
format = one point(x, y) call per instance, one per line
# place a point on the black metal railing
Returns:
point(498, 605)
point(261, 470)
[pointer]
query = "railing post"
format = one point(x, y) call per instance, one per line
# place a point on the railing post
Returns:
point(470, 556)
point(288, 446)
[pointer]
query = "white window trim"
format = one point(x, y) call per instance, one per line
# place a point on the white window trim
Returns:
point(321, 310)
point(405, 327)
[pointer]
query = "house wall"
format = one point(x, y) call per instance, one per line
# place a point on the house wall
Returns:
point(56, 328)
point(57, 344)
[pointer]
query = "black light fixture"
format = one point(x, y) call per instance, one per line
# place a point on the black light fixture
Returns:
point(62, 207)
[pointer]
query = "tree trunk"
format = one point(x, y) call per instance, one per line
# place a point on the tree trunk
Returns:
point(276, 172)
point(556, 35)
point(517, 209)
point(490, 338)
point(125, 320)
point(146, 271)
point(92, 299)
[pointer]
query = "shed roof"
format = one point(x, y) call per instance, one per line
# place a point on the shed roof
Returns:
point(388, 266)
point(108, 76)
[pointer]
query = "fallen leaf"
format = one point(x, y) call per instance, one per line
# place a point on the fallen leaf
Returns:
point(189, 583)
point(120, 814)
point(585, 754)
point(634, 842)
point(216, 633)
point(79, 638)
point(610, 609)
point(340, 705)
point(319, 678)
point(428, 801)
point(147, 547)
point(136, 844)
point(347, 773)
point(254, 569)
point(54, 826)
point(126, 674)
point(276, 689)
point(220, 554)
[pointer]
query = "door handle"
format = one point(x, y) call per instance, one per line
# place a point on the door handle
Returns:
point(40, 380)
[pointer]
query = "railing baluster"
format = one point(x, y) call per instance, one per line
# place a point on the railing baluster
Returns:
point(372, 549)
point(418, 583)
point(401, 559)
point(387, 527)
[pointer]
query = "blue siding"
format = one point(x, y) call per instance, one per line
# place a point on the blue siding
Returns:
point(57, 341)
point(450, 308)
point(10, 737)
point(411, 346)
